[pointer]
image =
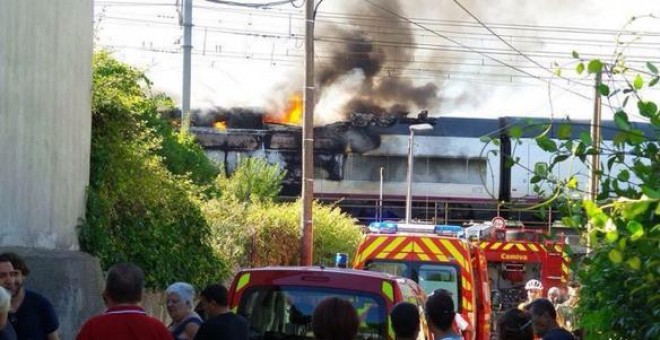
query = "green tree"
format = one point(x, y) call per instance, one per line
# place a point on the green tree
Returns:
point(621, 275)
point(138, 208)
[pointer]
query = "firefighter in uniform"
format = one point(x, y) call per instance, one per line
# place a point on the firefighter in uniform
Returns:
point(534, 290)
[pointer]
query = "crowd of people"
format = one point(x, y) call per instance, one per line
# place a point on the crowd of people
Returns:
point(551, 318)
point(25, 314)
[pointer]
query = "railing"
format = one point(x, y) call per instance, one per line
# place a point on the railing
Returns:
point(449, 212)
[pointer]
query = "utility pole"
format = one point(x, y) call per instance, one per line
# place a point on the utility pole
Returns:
point(380, 197)
point(187, 47)
point(411, 156)
point(595, 138)
point(411, 142)
point(308, 140)
point(595, 157)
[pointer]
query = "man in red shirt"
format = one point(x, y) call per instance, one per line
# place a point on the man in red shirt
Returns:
point(124, 319)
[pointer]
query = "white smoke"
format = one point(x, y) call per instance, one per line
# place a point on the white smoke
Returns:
point(330, 107)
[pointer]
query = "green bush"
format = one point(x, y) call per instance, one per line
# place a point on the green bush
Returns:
point(253, 180)
point(138, 210)
point(253, 230)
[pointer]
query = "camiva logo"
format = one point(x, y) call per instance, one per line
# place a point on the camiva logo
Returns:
point(514, 257)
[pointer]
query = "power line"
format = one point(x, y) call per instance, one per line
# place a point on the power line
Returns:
point(339, 39)
point(285, 13)
point(510, 45)
point(470, 35)
point(472, 49)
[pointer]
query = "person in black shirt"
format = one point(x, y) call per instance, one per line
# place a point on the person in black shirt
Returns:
point(222, 323)
point(32, 315)
point(544, 321)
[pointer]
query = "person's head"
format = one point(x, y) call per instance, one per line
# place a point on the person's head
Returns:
point(21, 268)
point(544, 316)
point(573, 292)
point(534, 289)
point(124, 284)
point(214, 299)
point(5, 304)
point(8, 275)
point(405, 320)
point(515, 324)
point(335, 319)
point(553, 294)
point(180, 296)
point(439, 311)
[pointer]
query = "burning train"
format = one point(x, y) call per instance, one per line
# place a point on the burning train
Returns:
point(363, 106)
point(456, 176)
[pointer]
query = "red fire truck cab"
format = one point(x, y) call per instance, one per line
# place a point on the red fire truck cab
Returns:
point(278, 302)
point(514, 255)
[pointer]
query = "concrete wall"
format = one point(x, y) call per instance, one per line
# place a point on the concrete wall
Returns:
point(45, 120)
point(45, 129)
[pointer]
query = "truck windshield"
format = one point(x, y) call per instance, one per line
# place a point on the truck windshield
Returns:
point(430, 276)
point(285, 312)
point(435, 276)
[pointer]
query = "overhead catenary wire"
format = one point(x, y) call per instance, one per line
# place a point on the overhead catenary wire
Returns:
point(338, 39)
point(385, 9)
point(444, 73)
point(385, 38)
point(282, 12)
point(509, 44)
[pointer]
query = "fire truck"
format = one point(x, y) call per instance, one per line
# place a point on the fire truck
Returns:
point(514, 255)
point(437, 258)
point(279, 302)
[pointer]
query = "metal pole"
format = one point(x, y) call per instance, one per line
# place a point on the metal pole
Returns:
point(308, 140)
point(187, 47)
point(595, 137)
point(595, 158)
point(380, 198)
point(411, 140)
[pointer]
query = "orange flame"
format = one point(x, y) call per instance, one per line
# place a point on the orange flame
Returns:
point(220, 125)
point(292, 115)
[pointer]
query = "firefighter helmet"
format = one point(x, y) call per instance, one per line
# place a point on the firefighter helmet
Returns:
point(533, 284)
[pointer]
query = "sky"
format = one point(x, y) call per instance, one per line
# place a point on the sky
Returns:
point(449, 57)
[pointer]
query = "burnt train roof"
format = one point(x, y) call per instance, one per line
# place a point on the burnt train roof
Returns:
point(442, 126)
point(479, 127)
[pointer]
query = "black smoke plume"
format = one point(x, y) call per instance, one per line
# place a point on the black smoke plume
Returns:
point(378, 60)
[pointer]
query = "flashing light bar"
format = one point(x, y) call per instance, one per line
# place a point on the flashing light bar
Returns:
point(384, 227)
point(391, 227)
point(449, 230)
point(479, 230)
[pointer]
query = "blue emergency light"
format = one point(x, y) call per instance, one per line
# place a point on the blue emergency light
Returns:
point(341, 260)
point(384, 227)
point(449, 230)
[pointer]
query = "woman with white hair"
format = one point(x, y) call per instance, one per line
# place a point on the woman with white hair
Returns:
point(6, 330)
point(554, 295)
point(185, 322)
